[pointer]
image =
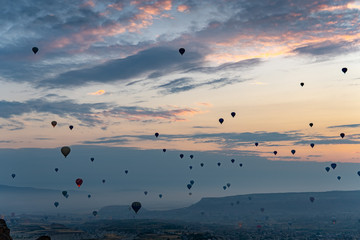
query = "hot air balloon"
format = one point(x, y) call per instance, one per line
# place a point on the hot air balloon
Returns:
point(262, 209)
point(65, 151)
point(327, 169)
point(13, 175)
point(103, 181)
point(56, 169)
point(191, 156)
point(190, 167)
point(312, 199)
point(240, 164)
point(302, 84)
point(190, 193)
point(312, 145)
point(160, 195)
point(136, 206)
point(342, 135)
point(256, 144)
point(35, 50)
point(71, 127)
point(293, 152)
point(92, 159)
point(89, 196)
point(228, 185)
point(333, 165)
point(311, 124)
point(344, 70)
point(181, 155)
point(126, 171)
point(224, 187)
point(164, 150)
point(201, 164)
point(156, 134)
point(338, 178)
point(233, 114)
point(54, 123)
point(182, 51)
point(275, 152)
point(56, 204)
point(145, 193)
point(94, 213)
point(64, 193)
point(219, 164)
point(192, 182)
point(358, 173)
point(221, 120)
point(249, 198)
point(78, 182)
point(232, 160)
point(189, 186)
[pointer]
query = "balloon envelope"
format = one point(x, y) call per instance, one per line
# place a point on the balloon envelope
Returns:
point(338, 177)
point(302, 84)
point(181, 155)
point(327, 169)
point(136, 206)
point(189, 186)
point(358, 173)
point(71, 127)
point(56, 169)
point(342, 135)
point(232, 160)
point(191, 156)
point(192, 182)
point(94, 213)
point(256, 144)
point(221, 120)
point(312, 199)
point(145, 192)
point(312, 145)
point(182, 51)
point(65, 150)
point(35, 50)
point(275, 152)
point(164, 150)
point(56, 204)
point(344, 70)
point(333, 165)
point(311, 124)
point(64, 193)
point(201, 164)
point(293, 151)
point(54, 123)
point(13, 175)
point(92, 159)
point(78, 182)
point(156, 134)
point(233, 114)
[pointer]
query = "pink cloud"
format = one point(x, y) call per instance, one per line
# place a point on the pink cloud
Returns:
point(99, 92)
point(182, 8)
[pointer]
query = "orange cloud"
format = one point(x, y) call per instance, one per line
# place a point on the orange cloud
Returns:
point(182, 8)
point(99, 92)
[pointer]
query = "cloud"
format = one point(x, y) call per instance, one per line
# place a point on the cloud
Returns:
point(345, 126)
point(99, 92)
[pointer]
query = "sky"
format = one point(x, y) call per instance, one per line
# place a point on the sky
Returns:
point(113, 70)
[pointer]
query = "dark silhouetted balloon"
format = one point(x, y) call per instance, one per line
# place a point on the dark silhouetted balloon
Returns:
point(342, 135)
point(54, 123)
point(293, 151)
point(312, 199)
point(250, 198)
point(275, 152)
point(192, 182)
point(71, 127)
point(262, 209)
point(78, 182)
point(312, 145)
point(338, 178)
point(181, 155)
point(156, 134)
point(228, 184)
point(126, 171)
point(164, 150)
point(182, 51)
point(190, 167)
point(94, 213)
point(240, 164)
point(145, 192)
point(136, 206)
point(56, 204)
point(311, 124)
point(221, 120)
point(302, 84)
point(190, 193)
point(64, 193)
point(344, 70)
point(358, 173)
point(333, 165)
point(256, 144)
point(89, 196)
point(65, 151)
point(201, 164)
point(160, 195)
point(233, 114)
point(224, 187)
point(219, 164)
point(56, 169)
point(103, 181)
point(35, 50)
point(327, 169)
point(189, 186)
point(232, 160)
point(13, 175)
point(92, 159)
point(191, 156)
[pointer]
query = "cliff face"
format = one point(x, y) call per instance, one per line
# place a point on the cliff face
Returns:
point(4, 231)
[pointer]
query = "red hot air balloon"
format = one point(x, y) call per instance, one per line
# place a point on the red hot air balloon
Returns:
point(78, 182)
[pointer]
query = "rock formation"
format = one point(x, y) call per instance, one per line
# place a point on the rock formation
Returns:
point(4, 231)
